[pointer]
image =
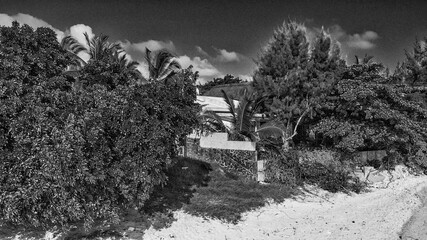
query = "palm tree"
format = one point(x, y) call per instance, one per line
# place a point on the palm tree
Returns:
point(119, 57)
point(72, 46)
point(98, 49)
point(242, 120)
point(162, 66)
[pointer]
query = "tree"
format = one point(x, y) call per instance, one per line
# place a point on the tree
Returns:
point(227, 79)
point(80, 153)
point(293, 79)
point(364, 112)
point(413, 70)
point(243, 125)
point(98, 47)
point(162, 66)
point(99, 50)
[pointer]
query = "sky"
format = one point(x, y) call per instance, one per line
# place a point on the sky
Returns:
point(225, 37)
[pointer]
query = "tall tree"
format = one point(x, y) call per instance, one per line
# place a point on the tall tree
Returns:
point(413, 70)
point(364, 112)
point(103, 57)
point(294, 78)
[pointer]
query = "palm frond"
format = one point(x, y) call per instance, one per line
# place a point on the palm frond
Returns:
point(270, 131)
point(72, 45)
point(229, 103)
point(243, 116)
point(213, 122)
point(151, 67)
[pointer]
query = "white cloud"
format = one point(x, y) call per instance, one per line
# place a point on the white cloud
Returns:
point(226, 56)
point(201, 51)
point(34, 22)
point(153, 45)
point(337, 32)
point(356, 41)
point(203, 66)
point(77, 32)
point(222, 55)
point(143, 69)
point(362, 41)
point(245, 77)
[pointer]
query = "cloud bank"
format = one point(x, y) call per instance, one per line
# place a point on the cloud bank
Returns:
point(31, 21)
point(203, 66)
point(226, 56)
point(363, 41)
point(203, 62)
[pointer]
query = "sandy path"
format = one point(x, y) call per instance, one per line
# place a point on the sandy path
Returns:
point(416, 227)
point(379, 214)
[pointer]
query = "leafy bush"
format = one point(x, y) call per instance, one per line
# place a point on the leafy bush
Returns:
point(366, 112)
point(282, 167)
point(330, 177)
point(327, 169)
point(418, 161)
point(72, 151)
point(319, 167)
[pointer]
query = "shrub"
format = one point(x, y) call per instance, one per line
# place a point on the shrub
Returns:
point(282, 167)
point(72, 152)
point(319, 167)
point(330, 178)
point(327, 169)
point(365, 112)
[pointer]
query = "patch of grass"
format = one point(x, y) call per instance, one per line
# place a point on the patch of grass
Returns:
point(206, 190)
point(227, 197)
point(183, 177)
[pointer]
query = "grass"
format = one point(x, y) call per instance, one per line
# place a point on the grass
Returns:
point(228, 198)
point(204, 189)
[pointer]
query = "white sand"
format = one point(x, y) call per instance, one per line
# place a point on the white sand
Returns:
point(379, 214)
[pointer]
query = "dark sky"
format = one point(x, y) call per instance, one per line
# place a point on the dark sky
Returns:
point(229, 34)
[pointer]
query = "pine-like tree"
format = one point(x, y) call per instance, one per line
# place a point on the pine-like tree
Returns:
point(295, 77)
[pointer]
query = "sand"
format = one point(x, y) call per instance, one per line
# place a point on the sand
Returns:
point(416, 227)
point(378, 214)
point(389, 210)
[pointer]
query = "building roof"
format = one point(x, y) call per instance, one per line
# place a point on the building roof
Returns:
point(215, 104)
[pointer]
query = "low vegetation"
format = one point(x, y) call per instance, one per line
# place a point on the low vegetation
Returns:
point(228, 196)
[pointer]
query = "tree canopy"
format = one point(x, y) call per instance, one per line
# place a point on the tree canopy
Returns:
point(81, 148)
point(293, 75)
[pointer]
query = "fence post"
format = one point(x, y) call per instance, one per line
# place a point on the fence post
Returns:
point(260, 168)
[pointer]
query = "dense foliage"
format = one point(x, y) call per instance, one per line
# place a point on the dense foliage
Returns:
point(293, 76)
point(350, 108)
point(227, 79)
point(365, 112)
point(81, 147)
point(413, 70)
